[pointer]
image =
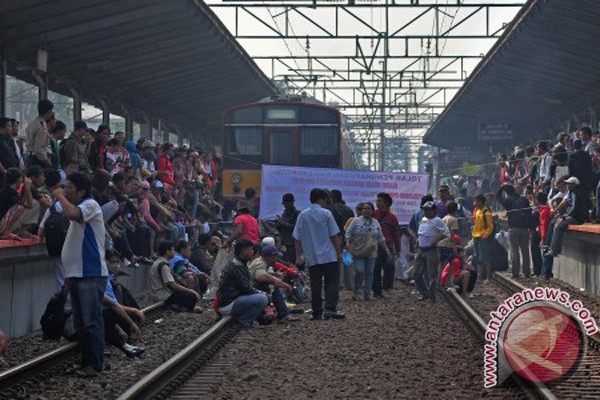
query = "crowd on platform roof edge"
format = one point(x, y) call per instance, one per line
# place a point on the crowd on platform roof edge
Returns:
point(102, 202)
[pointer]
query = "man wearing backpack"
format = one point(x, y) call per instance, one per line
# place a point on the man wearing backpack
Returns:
point(85, 266)
point(519, 222)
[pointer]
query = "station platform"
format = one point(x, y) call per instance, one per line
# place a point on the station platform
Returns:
point(28, 281)
point(579, 263)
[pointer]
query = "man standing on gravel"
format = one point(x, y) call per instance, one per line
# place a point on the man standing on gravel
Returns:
point(318, 245)
point(85, 267)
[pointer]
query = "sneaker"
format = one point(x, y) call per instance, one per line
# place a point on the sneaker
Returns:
point(316, 318)
point(334, 315)
point(132, 351)
point(367, 298)
point(388, 292)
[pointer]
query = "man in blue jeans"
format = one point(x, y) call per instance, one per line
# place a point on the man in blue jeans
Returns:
point(85, 268)
point(318, 244)
point(236, 296)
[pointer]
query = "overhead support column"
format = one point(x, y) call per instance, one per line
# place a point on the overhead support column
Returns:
point(3, 75)
point(128, 122)
point(42, 85)
point(105, 112)
point(146, 128)
point(76, 104)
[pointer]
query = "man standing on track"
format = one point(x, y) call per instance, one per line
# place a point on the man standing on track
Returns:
point(318, 244)
point(385, 257)
point(85, 267)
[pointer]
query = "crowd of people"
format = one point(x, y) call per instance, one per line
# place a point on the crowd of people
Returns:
point(101, 202)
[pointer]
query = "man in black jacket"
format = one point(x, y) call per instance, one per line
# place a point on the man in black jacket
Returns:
point(519, 222)
point(286, 224)
point(236, 296)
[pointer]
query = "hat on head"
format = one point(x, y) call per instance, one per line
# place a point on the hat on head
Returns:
point(145, 185)
point(216, 241)
point(267, 241)
point(429, 205)
point(288, 198)
point(148, 144)
point(270, 251)
point(243, 205)
point(572, 180)
point(158, 184)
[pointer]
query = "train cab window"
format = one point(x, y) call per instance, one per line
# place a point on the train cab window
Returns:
point(318, 141)
point(248, 141)
point(317, 115)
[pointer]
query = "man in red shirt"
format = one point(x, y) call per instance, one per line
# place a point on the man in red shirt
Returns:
point(391, 231)
point(540, 200)
point(245, 226)
point(164, 165)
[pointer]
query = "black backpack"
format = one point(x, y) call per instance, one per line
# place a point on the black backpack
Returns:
point(53, 319)
point(55, 229)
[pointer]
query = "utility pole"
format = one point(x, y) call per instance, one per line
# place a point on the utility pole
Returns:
point(384, 88)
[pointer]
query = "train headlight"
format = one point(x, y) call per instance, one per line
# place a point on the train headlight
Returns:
point(236, 179)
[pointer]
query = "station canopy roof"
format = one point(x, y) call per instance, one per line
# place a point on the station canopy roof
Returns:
point(543, 70)
point(168, 59)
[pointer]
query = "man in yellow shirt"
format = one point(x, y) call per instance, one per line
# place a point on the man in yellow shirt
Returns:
point(483, 229)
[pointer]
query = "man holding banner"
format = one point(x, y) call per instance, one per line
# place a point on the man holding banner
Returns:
point(318, 245)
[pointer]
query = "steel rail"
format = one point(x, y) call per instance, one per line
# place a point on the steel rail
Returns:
point(478, 326)
point(511, 287)
point(179, 368)
point(14, 376)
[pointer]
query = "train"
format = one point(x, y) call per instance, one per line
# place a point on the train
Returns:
point(280, 130)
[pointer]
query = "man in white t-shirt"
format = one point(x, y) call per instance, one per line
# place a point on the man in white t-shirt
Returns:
point(85, 268)
point(431, 232)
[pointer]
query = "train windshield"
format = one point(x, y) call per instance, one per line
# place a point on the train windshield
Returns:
point(316, 141)
point(248, 141)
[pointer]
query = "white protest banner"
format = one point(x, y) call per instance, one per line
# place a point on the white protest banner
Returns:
point(356, 186)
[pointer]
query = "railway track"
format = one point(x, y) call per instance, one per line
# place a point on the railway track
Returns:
point(585, 381)
point(15, 381)
point(476, 324)
point(190, 372)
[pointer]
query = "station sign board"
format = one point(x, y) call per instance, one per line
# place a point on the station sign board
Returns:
point(495, 132)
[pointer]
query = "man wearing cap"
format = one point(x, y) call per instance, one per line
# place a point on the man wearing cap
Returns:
point(236, 296)
point(285, 225)
point(245, 226)
point(432, 230)
point(262, 280)
point(318, 245)
point(576, 202)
